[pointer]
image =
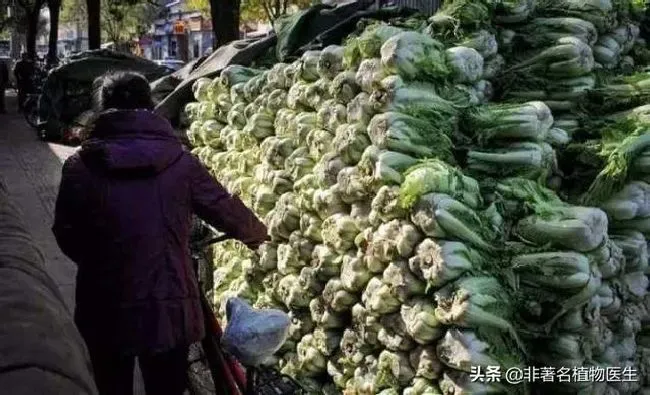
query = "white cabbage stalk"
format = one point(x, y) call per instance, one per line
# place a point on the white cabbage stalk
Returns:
point(331, 115)
point(325, 317)
point(326, 341)
point(385, 167)
point(386, 206)
point(352, 185)
point(440, 262)
point(296, 98)
point(533, 160)
point(327, 202)
point(466, 64)
point(393, 335)
point(364, 377)
point(378, 298)
point(635, 249)
point(340, 369)
point(394, 239)
point(268, 257)
point(350, 141)
point(366, 325)
point(440, 216)
point(369, 74)
point(325, 261)
point(328, 168)
point(555, 270)
point(330, 62)
point(557, 137)
point(414, 56)
point(460, 383)
point(309, 65)
point(344, 87)
point(437, 176)
point(237, 94)
point(608, 258)
point(354, 272)
point(310, 226)
point(578, 228)
point(409, 135)
point(236, 117)
point(301, 324)
point(311, 361)
point(317, 93)
point(393, 370)
point(337, 297)
point(631, 202)
point(424, 360)
point(569, 57)
point(264, 200)
point(402, 282)
point(360, 109)
point(299, 164)
point(360, 213)
point(339, 232)
point(420, 319)
point(528, 121)
point(493, 67)
point(309, 281)
point(200, 89)
point(373, 38)
point(474, 302)
point(291, 293)
point(276, 76)
point(422, 386)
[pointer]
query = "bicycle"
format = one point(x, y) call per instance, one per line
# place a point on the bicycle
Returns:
point(30, 106)
point(208, 362)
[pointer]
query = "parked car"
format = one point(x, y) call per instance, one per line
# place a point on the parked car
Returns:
point(173, 64)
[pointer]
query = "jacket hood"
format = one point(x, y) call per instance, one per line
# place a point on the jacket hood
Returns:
point(132, 143)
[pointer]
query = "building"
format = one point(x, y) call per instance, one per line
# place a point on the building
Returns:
point(73, 37)
point(180, 34)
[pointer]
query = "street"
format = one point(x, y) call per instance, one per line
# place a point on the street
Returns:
point(31, 170)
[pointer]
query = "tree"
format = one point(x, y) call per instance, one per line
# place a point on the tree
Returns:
point(55, 8)
point(93, 12)
point(225, 21)
point(122, 20)
point(255, 10)
point(32, 11)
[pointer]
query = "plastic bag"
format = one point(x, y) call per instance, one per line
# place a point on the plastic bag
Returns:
point(253, 336)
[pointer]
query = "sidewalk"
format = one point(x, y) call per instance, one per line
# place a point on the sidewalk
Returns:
point(31, 170)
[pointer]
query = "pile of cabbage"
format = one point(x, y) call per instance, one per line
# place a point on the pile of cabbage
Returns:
point(415, 188)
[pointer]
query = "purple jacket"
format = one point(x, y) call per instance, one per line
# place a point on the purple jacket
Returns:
point(123, 214)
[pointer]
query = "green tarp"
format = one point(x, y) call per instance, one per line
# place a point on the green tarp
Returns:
point(68, 88)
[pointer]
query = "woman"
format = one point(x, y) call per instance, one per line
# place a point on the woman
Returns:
point(123, 215)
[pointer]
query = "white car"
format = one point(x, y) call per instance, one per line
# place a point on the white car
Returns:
point(173, 64)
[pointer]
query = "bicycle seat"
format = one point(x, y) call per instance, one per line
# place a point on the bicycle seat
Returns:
point(253, 336)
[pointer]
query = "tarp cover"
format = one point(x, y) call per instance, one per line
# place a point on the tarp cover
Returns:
point(313, 28)
point(41, 349)
point(68, 88)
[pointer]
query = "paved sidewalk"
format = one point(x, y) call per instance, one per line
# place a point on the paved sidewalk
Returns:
point(31, 170)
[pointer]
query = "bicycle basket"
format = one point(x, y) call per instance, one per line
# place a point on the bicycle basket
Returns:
point(267, 381)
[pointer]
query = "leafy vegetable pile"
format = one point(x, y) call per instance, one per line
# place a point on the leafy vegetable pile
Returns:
point(470, 193)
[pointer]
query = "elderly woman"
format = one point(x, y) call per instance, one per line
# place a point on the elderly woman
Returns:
point(123, 214)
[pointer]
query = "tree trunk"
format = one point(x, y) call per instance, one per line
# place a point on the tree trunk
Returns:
point(94, 24)
point(225, 21)
point(32, 32)
point(52, 51)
